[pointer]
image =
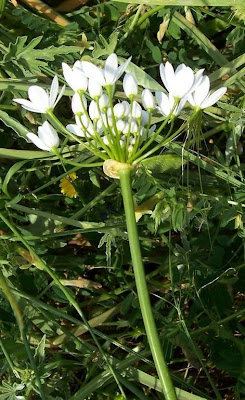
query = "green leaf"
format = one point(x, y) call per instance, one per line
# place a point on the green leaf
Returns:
point(109, 47)
point(141, 76)
point(26, 57)
point(11, 122)
point(10, 174)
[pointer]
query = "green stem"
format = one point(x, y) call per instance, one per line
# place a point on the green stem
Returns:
point(19, 318)
point(143, 295)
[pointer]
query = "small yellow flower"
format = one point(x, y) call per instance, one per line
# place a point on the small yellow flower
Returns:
point(67, 188)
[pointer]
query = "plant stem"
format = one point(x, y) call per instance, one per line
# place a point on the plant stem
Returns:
point(143, 295)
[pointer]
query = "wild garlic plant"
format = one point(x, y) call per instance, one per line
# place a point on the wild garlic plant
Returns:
point(122, 133)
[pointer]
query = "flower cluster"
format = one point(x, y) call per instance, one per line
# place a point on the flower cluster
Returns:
point(110, 128)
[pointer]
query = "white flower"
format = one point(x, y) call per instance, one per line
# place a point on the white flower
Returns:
point(180, 82)
point(75, 76)
point(166, 104)
point(130, 85)
point(47, 137)
point(78, 103)
point(148, 99)
point(94, 89)
point(82, 127)
point(107, 76)
point(40, 100)
point(202, 97)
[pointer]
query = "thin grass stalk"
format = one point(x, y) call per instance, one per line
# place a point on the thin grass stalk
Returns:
point(19, 319)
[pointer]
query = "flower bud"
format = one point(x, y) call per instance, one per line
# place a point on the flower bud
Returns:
point(104, 102)
point(119, 110)
point(93, 111)
point(120, 125)
point(78, 104)
point(127, 108)
point(133, 126)
point(95, 89)
point(130, 85)
point(144, 117)
point(136, 110)
point(148, 99)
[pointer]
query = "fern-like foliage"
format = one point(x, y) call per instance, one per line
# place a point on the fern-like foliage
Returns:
point(22, 58)
point(34, 22)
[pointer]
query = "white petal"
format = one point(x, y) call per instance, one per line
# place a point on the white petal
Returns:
point(60, 95)
point(121, 69)
point(184, 79)
point(68, 74)
point(201, 91)
point(191, 100)
point(48, 135)
point(169, 76)
point(163, 102)
point(39, 98)
point(80, 79)
point(180, 106)
point(214, 97)
point(28, 105)
point(76, 130)
point(163, 76)
point(35, 139)
point(110, 70)
point(53, 91)
point(130, 85)
point(93, 72)
point(197, 79)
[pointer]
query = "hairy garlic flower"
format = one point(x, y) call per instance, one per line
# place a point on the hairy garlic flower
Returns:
point(107, 76)
point(40, 100)
point(182, 81)
point(47, 138)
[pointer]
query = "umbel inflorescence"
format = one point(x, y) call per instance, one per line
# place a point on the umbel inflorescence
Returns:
point(120, 130)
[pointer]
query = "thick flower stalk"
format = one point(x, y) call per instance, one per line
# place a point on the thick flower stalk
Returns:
point(122, 133)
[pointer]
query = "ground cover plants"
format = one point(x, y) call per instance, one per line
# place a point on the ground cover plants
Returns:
point(122, 198)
